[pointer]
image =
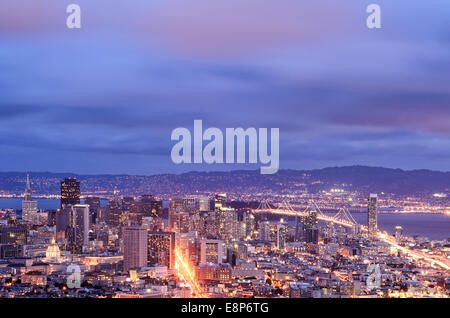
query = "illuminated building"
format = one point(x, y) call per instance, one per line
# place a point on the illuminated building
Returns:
point(13, 235)
point(398, 232)
point(113, 211)
point(152, 223)
point(213, 273)
point(211, 251)
point(281, 236)
point(264, 230)
point(53, 254)
point(70, 192)
point(63, 219)
point(29, 207)
point(203, 204)
point(372, 215)
point(34, 279)
point(81, 225)
point(94, 207)
point(134, 247)
point(308, 222)
point(249, 225)
point(161, 248)
point(151, 206)
point(220, 199)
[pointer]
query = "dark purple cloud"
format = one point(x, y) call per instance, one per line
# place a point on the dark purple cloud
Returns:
point(106, 98)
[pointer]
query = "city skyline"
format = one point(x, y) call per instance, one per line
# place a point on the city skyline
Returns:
point(213, 247)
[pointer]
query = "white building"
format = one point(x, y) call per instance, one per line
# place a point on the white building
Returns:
point(29, 207)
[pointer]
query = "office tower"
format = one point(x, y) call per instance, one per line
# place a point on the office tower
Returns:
point(94, 208)
point(127, 202)
point(134, 247)
point(226, 222)
point(398, 232)
point(281, 236)
point(210, 226)
point(241, 228)
point(249, 225)
point(264, 230)
point(220, 200)
point(113, 211)
point(203, 204)
point(13, 235)
point(161, 248)
point(175, 207)
point(81, 225)
point(184, 222)
point(211, 251)
point(372, 215)
point(356, 229)
point(308, 222)
point(152, 223)
point(190, 204)
point(213, 273)
point(70, 192)
point(151, 206)
point(29, 207)
point(312, 235)
point(64, 219)
point(232, 255)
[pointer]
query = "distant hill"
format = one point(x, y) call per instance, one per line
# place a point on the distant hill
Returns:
point(361, 178)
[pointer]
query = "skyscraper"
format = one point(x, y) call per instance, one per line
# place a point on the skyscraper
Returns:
point(81, 225)
point(211, 251)
point(113, 211)
point(29, 207)
point(281, 236)
point(372, 215)
point(134, 247)
point(161, 248)
point(264, 230)
point(151, 206)
point(70, 192)
point(94, 207)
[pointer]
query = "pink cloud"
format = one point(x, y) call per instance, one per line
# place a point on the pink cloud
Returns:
point(229, 27)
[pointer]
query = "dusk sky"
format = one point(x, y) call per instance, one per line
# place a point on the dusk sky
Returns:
point(105, 98)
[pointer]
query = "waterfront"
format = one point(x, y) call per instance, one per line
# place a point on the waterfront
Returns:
point(432, 225)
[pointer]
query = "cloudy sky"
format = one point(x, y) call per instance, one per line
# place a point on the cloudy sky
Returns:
point(104, 99)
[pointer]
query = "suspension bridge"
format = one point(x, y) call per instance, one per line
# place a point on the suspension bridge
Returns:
point(342, 217)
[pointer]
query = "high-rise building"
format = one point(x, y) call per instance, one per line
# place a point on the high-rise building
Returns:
point(203, 204)
point(63, 219)
point(81, 225)
point(398, 232)
point(161, 248)
point(372, 224)
point(70, 192)
point(94, 207)
point(13, 235)
point(220, 200)
point(281, 235)
point(134, 247)
point(264, 230)
point(151, 206)
point(113, 211)
point(308, 221)
point(211, 251)
point(29, 207)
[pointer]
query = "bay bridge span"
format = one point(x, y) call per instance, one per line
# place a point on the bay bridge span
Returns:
point(344, 218)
